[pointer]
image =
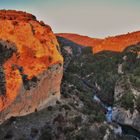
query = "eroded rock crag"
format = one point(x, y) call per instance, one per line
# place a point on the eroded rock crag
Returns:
point(31, 45)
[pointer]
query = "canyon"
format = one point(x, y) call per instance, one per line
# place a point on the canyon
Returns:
point(47, 82)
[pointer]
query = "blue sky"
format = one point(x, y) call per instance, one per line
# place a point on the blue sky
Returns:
point(95, 18)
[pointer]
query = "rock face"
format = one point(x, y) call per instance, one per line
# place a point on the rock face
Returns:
point(122, 115)
point(127, 90)
point(30, 64)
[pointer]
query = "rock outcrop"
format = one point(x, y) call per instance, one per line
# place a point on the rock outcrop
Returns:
point(127, 90)
point(30, 64)
point(126, 116)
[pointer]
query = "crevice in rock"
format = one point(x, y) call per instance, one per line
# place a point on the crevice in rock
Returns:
point(6, 51)
point(2, 81)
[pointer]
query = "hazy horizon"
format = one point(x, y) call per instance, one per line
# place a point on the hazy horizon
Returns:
point(94, 18)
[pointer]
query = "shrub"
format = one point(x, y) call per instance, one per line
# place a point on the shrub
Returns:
point(135, 81)
point(77, 120)
point(92, 118)
point(127, 100)
point(87, 50)
point(100, 117)
point(46, 134)
point(50, 108)
point(138, 103)
point(66, 107)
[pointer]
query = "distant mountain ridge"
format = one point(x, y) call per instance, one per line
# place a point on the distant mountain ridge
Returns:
point(116, 43)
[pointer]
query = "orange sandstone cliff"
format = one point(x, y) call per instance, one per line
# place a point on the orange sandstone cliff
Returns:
point(30, 44)
point(116, 43)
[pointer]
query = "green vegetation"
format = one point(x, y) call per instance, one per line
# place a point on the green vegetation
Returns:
point(46, 134)
point(101, 67)
point(138, 103)
point(66, 107)
point(127, 100)
point(77, 120)
point(129, 64)
point(135, 81)
point(91, 108)
point(88, 133)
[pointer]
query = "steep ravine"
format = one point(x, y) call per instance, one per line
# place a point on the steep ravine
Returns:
point(76, 116)
point(125, 58)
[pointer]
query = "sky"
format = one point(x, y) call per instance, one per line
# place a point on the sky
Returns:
point(94, 18)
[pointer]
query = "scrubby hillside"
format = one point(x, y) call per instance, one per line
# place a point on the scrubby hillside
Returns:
point(88, 74)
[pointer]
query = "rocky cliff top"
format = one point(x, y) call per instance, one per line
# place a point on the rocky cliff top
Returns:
point(16, 15)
